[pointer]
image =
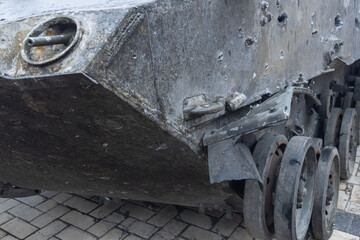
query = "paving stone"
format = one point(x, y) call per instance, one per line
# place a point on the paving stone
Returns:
point(132, 237)
point(80, 204)
point(114, 233)
point(240, 233)
point(49, 194)
point(353, 207)
point(2, 234)
point(355, 170)
point(196, 219)
point(170, 230)
point(53, 228)
point(342, 186)
point(227, 226)
point(4, 206)
point(78, 219)
point(50, 216)
point(37, 236)
point(124, 225)
point(114, 218)
point(105, 210)
point(355, 195)
point(159, 236)
point(355, 226)
point(25, 212)
point(3, 200)
point(100, 228)
point(48, 231)
point(47, 205)
point(136, 211)
point(4, 217)
point(353, 180)
point(62, 197)
point(343, 200)
point(142, 229)
point(343, 221)
point(195, 233)
point(18, 228)
point(8, 237)
point(163, 216)
point(74, 233)
point(33, 200)
point(338, 235)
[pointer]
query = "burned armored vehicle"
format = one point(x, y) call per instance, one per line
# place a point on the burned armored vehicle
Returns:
point(246, 106)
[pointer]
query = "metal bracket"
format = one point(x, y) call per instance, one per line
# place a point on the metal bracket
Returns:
point(274, 111)
point(198, 106)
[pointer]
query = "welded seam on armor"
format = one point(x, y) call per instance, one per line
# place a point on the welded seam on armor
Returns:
point(120, 36)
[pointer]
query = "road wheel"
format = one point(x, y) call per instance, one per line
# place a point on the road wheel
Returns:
point(332, 130)
point(349, 138)
point(294, 196)
point(348, 100)
point(258, 204)
point(327, 103)
point(327, 182)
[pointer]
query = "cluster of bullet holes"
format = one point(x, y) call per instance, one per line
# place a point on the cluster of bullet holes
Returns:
point(336, 48)
point(266, 15)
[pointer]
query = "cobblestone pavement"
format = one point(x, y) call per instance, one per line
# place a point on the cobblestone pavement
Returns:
point(53, 215)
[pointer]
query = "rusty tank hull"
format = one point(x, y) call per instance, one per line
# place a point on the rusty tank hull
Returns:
point(140, 98)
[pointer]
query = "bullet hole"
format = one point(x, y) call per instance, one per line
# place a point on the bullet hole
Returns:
point(282, 55)
point(283, 19)
point(357, 24)
point(133, 54)
point(338, 21)
point(229, 52)
point(278, 3)
point(313, 19)
point(220, 56)
point(241, 33)
point(249, 41)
